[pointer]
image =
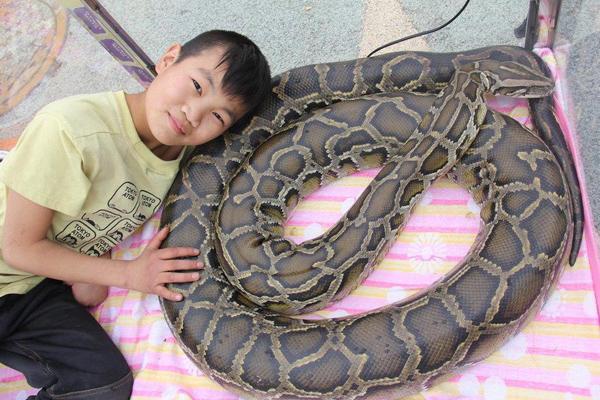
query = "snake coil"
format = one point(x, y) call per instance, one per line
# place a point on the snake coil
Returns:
point(419, 115)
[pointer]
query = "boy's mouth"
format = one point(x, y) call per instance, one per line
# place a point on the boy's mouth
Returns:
point(175, 125)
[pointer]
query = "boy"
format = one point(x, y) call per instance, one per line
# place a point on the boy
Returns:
point(86, 172)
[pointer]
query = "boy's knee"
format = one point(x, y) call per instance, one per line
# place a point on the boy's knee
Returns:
point(121, 389)
point(116, 384)
point(109, 378)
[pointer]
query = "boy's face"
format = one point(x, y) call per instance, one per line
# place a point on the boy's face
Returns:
point(185, 104)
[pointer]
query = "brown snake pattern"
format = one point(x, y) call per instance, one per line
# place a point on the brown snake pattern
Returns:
point(461, 319)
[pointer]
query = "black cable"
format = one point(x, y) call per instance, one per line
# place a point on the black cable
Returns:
point(420, 33)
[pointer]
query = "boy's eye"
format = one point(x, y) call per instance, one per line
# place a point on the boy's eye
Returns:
point(219, 118)
point(197, 86)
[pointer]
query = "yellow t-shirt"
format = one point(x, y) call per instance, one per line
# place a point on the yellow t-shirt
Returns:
point(82, 157)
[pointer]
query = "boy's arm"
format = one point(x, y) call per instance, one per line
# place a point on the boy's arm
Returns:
point(89, 294)
point(25, 247)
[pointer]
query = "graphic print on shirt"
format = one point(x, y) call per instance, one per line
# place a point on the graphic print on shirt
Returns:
point(97, 247)
point(101, 219)
point(122, 229)
point(97, 232)
point(146, 206)
point(125, 198)
point(75, 234)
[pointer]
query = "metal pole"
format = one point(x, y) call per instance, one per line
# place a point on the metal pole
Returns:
point(532, 26)
point(103, 27)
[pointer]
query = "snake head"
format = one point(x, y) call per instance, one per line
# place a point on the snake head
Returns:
point(512, 79)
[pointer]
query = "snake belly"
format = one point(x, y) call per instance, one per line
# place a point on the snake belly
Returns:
point(460, 320)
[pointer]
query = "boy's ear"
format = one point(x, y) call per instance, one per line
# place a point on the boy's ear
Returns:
point(168, 58)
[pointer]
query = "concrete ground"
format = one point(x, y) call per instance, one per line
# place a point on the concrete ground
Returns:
point(45, 54)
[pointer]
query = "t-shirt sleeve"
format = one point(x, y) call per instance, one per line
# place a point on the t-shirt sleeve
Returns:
point(46, 167)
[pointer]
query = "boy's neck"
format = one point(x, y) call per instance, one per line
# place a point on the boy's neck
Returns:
point(137, 109)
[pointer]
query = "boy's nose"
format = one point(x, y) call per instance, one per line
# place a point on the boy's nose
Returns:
point(195, 111)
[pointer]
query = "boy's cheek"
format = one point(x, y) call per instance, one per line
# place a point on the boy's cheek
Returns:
point(202, 138)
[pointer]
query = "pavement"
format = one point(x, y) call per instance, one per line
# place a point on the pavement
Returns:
point(45, 54)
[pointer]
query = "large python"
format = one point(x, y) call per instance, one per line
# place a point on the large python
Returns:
point(529, 216)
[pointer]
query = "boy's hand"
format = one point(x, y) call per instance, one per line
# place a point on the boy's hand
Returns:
point(156, 267)
point(89, 294)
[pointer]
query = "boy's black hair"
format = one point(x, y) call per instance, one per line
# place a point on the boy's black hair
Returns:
point(248, 75)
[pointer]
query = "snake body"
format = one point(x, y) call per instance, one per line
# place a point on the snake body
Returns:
point(238, 336)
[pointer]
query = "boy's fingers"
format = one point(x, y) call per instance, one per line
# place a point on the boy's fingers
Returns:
point(158, 238)
point(167, 294)
point(178, 265)
point(177, 252)
point(179, 277)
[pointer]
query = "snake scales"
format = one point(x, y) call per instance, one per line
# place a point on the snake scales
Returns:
point(530, 218)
